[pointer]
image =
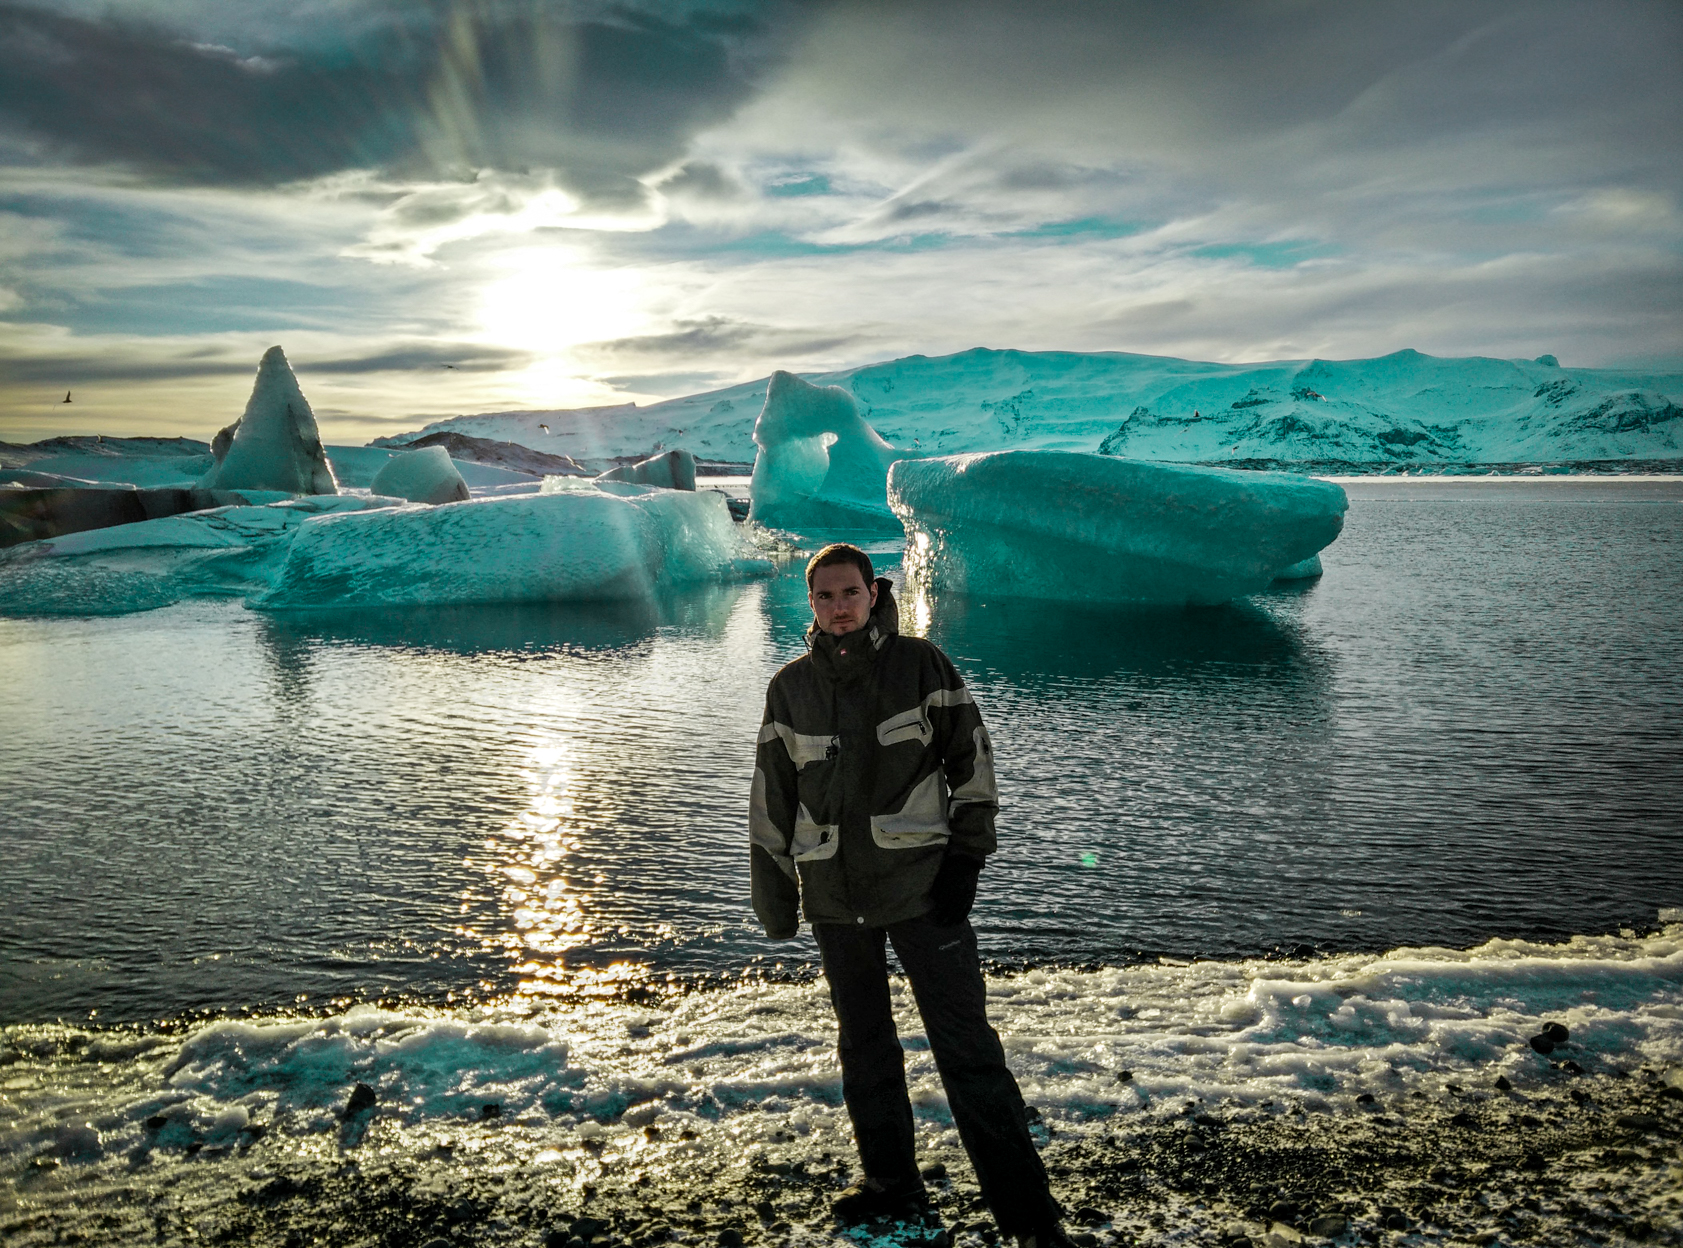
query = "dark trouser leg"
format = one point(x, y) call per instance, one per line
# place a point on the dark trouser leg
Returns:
point(872, 1061)
point(946, 975)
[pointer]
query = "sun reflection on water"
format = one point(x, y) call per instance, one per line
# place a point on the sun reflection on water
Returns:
point(548, 914)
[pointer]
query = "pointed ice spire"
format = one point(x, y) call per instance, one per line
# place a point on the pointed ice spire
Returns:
point(275, 445)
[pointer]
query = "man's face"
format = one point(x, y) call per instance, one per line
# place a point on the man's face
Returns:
point(841, 601)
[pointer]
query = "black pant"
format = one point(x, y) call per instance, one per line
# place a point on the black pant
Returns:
point(946, 977)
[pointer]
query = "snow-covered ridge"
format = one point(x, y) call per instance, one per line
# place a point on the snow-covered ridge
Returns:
point(1401, 408)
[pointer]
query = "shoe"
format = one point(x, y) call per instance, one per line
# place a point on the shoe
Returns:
point(868, 1199)
point(1050, 1237)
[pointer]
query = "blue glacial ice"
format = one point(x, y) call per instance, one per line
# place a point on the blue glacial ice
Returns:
point(818, 466)
point(424, 476)
point(220, 552)
point(672, 470)
point(577, 543)
point(275, 445)
point(1091, 528)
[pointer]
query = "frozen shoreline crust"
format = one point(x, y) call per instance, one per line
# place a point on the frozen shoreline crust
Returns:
point(1090, 528)
point(603, 542)
point(1178, 1102)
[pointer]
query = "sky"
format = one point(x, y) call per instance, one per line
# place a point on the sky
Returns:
point(450, 206)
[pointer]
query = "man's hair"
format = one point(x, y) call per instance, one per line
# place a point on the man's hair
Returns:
point(841, 552)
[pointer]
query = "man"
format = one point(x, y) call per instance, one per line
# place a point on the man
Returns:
point(873, 808)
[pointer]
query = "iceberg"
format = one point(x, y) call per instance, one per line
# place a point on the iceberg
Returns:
point(275, 445)
point(604, 542)
point(1092, 528)
point(423, 476)
point(818, 466)
point(138, 566)
point(673, 470)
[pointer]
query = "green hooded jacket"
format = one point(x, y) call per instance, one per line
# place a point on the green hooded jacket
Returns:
point(872, 762)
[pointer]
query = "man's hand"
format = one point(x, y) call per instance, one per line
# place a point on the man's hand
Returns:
point(954, 889)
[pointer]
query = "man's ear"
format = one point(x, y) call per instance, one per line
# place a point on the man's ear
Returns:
point(873, 595)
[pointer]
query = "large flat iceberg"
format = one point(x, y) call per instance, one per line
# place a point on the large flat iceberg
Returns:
point(594, 543)
point(1091, 528)
point(818, 466)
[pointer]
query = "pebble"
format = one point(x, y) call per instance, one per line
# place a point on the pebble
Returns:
point(934, 1172)
point(1327, 1225)
point(362, 1098)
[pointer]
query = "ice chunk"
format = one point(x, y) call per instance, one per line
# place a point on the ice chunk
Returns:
point(152, 563)
point(614, 541)
point(423, 476)
point(1090, 528)
point(818, 465)
point(275, 444)
point(1302, 570)
point(674, 470)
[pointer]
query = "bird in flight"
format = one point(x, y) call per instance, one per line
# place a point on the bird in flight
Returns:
point(67, 396)
point(447, 366)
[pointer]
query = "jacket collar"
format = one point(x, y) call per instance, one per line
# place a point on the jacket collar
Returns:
point(849, 656)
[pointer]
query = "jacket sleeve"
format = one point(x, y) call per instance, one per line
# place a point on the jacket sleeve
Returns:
point(967, 757)
point(771, 827)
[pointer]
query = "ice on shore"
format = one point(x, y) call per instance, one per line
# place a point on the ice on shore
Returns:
point(275, 445)
point(818, 466)
point(607, 542)
point(423, 476)
point(672, 470)
point(699, 1086)
point(1090, 528)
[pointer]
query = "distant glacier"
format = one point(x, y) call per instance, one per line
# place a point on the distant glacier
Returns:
point(1403, 409)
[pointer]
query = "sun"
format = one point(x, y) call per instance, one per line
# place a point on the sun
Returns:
point(550, 299)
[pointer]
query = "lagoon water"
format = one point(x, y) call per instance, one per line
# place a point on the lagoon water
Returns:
point(1469, 727)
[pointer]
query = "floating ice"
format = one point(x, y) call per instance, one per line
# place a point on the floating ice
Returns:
point(275, 444)
point(818, 466)
point(614, 541)
point(673, 470)
point(423, 476)
point(152, 563)
point(1089, 528)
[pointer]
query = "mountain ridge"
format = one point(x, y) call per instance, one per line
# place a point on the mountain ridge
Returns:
point(1398, 409)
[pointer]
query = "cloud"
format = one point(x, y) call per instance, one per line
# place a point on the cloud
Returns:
point(599, 95)
point(716, 336)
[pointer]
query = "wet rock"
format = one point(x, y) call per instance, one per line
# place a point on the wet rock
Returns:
point(1085, 1239)
point(1123, 1076)
point(492, 1110)
point(1637, 1122)
point(1089, 1216)
point(934, 1172)
point(1542, 1044)
point(1282, 1211)
point(1392, 1218)
point(1556, 1033)
point(1462, 1119)
point(438, 1242)
point(155, 1124)
point(1535, 1161)
point(362, 1100)
point(765, 1211)
point(1571, 1067)
point(730, 1237)
point(1502, 1084)
point(1327, 1225)
point(1366, 1098)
